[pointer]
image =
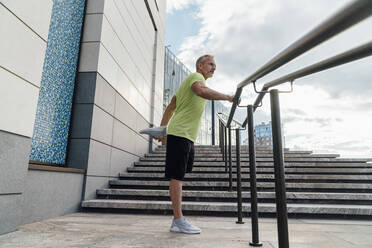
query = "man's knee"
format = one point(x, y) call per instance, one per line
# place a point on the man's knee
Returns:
point(175, 182)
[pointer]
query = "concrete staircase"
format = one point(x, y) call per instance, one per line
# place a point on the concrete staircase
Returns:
point(318, 185)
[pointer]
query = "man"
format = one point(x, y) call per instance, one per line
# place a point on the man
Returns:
point(188, 106)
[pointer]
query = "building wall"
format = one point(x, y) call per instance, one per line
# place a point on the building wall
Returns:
point(22, 47)
point(119, 90)
point(48, 194)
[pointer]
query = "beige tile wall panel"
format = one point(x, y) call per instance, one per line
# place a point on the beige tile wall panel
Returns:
point(99, 159)
point(125, 113)
point(22, 52)
point(120, 160)
point(117, 50)
point(121, 22)
point(18, 104)
point(137, 30)
point(102, 124)
point(124, 138)
point(144, 22)
point(116, 77)
point(35, 13)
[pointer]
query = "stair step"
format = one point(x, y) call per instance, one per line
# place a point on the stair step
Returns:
point(193, 176)
point(241, 151)
point(233, 147)
point(322, 197)
point(245, 185)
point(245, 155)
point(263, 164)
point(266, 170)
point(317, 185)
point(226, 208)
point(270, 159)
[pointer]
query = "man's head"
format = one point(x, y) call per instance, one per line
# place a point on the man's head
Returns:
point(206, 65)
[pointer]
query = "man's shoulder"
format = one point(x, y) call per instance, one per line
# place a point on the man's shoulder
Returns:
point(195, 76)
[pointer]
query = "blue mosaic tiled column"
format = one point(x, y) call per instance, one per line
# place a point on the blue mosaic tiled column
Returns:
point(52, 122)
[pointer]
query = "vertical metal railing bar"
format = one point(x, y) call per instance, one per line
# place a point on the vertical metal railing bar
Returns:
point(225, 154)
point(238, 178)
point(342, 20)
point(230, 162)
point(252, 177)
point(280, 191)
point(213, 124)
point(222, 142)
point(219, 134)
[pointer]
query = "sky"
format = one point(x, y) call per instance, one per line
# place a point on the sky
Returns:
point(328, 112)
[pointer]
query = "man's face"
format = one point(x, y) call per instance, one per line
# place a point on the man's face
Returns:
point(207, 68)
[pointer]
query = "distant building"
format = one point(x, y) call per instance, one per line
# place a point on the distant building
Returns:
point(263, 134)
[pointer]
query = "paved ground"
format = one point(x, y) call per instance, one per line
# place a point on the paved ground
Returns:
point(127, 230)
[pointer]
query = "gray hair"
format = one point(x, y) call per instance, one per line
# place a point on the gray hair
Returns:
point(201, 59)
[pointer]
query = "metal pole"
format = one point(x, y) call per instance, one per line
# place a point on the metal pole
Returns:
point(252, 176)
point(230, 162)
point(238, 178)
point(150, 141)
point(220, 135)
point(213, 124)
point(281, 201)
point(223, 141)
point(225, 154)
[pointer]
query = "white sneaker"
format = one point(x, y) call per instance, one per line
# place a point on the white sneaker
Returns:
point(156, 132)
point(182, 226)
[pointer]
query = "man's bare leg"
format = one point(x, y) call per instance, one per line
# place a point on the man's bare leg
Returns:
point(175, 191)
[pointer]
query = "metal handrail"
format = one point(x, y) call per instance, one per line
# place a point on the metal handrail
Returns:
point(337, 60)
point(223, 117)
point(342, 20)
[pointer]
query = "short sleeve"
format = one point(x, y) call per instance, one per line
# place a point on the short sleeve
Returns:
point(196, 77)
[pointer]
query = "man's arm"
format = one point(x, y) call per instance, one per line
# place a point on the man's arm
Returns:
point(168, 113)
point(203, 91)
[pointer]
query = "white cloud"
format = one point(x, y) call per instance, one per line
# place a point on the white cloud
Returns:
point(174, 5)
point(244, 35)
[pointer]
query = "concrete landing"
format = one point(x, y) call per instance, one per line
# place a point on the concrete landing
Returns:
point(135, 231)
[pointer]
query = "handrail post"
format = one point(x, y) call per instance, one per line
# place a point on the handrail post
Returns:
point(220, 134)
point(281, 201)
point(213, 123)
point(225, 153)
point(238, 178)
point(223, 141)
point(230, 162)
point(252, 177)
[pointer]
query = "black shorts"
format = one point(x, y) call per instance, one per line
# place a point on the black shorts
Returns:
point(179, 157)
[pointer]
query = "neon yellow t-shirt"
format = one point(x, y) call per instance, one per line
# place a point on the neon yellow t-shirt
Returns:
point(189, 110)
